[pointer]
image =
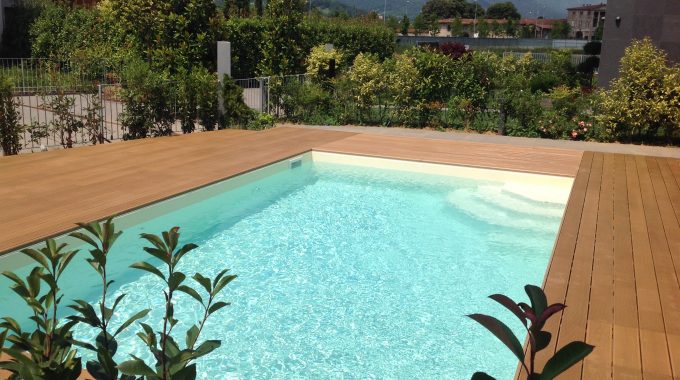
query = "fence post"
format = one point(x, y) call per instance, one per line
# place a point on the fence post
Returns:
point(262, 96)
point(100, 92)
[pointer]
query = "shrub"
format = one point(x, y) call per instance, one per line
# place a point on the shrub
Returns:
point(544, 82)
point(592, 48)
point(454, 50)
point(321, 63)
point(10, 129)
point(352, 37)
point(369, 83)
point(197, 99)
point(48, 352)
point(643, 100)
point(64, 122)
point(149, 98)
point(236, 112)
point(260, 122)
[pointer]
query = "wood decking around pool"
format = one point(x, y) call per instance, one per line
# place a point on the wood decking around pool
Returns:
point(615, 264)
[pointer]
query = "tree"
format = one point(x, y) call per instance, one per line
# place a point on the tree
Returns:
point(483, 28)
point(433, 26)
point(450, 8)
point(419, 24)
point(393, 23)
point(511, 28)
point(259, 7)
point(405, 23)
point(281, 55)
point(170, 34)
point(599, 32)
point(505, 10)
point(456, 27)
point(560, 29)
point(496, 29)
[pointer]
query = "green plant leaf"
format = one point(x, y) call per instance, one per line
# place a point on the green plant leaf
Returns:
point(186, 373)
point(136, 367)
point(564, 358)
point(509, 304)
point(481, 376)
point(207, 347)
point(204, 281)
point(216, 306)
point(131, 320)
point(176, 280)
point(143, 265)
point(190, 291)
point(192, 336)
point(542, 340)
point(84, 237)
point(537, 298)
point(224, 281)
point(36, 255)
point(502, 332)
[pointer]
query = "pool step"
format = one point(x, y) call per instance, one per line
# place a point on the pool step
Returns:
point(492, 205)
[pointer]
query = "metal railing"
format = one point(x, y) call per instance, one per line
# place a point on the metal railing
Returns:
point(257, 91)
point(576, 59)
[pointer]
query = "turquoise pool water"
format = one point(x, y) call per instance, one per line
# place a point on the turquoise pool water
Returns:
point(345, 272)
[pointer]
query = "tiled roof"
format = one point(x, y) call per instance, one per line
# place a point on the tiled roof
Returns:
point(589, 7)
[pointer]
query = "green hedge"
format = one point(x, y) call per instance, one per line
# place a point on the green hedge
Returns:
point(246, 37)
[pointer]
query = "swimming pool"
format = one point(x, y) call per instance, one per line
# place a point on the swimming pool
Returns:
point(349, 267)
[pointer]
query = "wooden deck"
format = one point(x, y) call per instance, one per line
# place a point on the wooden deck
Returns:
point(616, 262)
point(616, 266)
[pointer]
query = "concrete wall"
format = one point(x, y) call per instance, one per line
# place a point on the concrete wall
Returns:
point(657, 19)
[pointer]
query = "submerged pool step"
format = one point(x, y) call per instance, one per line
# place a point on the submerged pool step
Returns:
point(492, 205)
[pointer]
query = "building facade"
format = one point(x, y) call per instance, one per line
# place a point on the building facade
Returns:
point(636, 19)
point(585, 20)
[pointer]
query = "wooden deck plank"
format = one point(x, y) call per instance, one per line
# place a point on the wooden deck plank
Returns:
point(664, 234)
point(627, 364)
point(653, 345)
point(599, 331)
point(559, 270)
point(575, 316)
point(529, 159)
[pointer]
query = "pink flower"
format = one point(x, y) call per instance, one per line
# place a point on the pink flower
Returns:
point(581, 123)
point(589, 124)
point(574, 134)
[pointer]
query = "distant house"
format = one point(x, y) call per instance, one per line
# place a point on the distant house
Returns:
point(585, 20)
point(469, 27)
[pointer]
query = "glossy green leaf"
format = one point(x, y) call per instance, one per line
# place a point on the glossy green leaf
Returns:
point(143, 265)
point(564, 358)
point(502, 332)
point(537, 298)
point(216, 306)
point(136, 367)
point(481, 376)
point(131, 320)
point(191, 292)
